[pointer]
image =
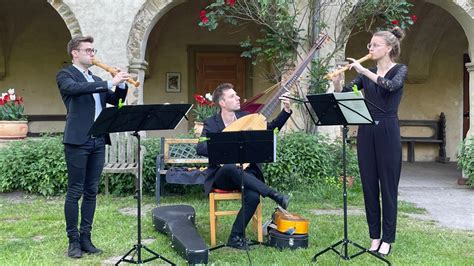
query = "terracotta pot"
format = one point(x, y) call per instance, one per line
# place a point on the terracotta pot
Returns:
point(13, 129)
point(198, 126)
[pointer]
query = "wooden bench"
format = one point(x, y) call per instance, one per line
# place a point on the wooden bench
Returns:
point(176, 152)
point(121, 156)
point(437, 136)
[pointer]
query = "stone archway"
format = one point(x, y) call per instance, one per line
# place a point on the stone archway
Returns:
point(68, 16)
point(463, 12)
point(144, 21)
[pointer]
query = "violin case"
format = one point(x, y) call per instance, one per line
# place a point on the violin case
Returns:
point(280, 240)
point(178, 222)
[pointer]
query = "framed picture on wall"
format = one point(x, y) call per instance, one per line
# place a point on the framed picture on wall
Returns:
point(173, 82)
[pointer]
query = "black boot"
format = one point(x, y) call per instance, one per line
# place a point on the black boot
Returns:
point(74, 249)
point(280, 199)
point(237, 242)
point(87, 246)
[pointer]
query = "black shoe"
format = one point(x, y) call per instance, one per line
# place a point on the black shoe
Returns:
point(280, 199)
point(74, 250)
point(382, 254)
point(87, 246)
point(237, 242)
point(377, 249)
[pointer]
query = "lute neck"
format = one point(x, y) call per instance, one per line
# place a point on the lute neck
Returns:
point(273, 102)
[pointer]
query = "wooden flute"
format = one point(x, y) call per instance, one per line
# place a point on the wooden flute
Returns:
point(114, 72)
point(346, 67)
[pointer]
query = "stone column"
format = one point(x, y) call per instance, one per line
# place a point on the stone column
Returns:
point(470, 132)
point(137, 68)
point(470, 69)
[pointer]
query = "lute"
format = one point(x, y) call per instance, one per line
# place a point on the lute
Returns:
point(258, 121)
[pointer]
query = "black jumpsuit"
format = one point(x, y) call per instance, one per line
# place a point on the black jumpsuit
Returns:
point(379, 150)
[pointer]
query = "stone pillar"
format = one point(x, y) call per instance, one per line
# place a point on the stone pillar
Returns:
point(470, 69)
point(470, 132)
point(137, 68)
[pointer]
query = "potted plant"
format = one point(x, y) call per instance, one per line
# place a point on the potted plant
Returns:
point(204, 109)
point(13, 123)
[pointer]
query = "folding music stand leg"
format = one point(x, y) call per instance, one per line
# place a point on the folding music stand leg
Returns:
point(137, 248)
point(346, 241)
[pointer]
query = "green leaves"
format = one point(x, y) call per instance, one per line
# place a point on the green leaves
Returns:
point(34, 166)
point(12, 111)
point(305, 161)
point(38, 166)
point(466, 159)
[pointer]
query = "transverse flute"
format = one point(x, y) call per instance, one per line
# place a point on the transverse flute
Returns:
point(114, 72)
point(346, 67)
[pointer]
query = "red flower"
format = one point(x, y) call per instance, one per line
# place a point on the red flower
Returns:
point(230, 2)
point(203, 16)
point(19, 100)
point(6, 98)
point(414, 18)
point(394, 22)
point(200, 99)
point(1, 101)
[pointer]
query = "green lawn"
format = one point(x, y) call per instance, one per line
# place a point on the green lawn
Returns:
point(32, 233)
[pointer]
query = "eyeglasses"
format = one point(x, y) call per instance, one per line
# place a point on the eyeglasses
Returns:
point(89, 51)
point(374, 45)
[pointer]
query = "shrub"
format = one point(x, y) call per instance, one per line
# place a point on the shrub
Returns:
point(34, 166)
point(38, 166)
point(466, 159)
point(305, 161)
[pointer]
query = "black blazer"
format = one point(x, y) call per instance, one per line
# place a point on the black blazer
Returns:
point(76, 93)
point(215, 124)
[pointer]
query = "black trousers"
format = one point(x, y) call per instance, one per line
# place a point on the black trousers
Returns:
point(84, 165)
point(379, 152)
point(229, 177)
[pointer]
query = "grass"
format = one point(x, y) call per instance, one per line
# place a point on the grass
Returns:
point(32, 233)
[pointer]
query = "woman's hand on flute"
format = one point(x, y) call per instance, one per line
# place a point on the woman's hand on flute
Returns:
point(356, 65)
point(336, 81)
point(120, 77)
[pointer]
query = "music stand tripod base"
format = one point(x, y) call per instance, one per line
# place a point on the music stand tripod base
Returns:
point(135, 118)
point(329, 111)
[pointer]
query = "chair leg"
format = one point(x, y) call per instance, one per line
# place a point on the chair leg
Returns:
point(259, 223)
point(212, 218)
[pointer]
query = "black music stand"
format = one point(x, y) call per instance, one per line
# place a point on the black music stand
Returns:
point(342, 109)
point(136, 118)
point(258, 146)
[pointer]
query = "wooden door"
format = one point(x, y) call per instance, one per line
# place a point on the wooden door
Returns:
point(465, 110)
point(214, 68)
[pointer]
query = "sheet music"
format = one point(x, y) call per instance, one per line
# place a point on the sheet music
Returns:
point(355, 101)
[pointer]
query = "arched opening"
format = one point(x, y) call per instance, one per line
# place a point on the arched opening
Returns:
point(32, 51)
point(433, 50)
point(177, 48)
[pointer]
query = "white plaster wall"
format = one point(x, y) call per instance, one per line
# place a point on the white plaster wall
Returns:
point(109, 22)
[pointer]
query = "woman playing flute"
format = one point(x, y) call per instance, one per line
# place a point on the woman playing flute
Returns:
point(379, 148)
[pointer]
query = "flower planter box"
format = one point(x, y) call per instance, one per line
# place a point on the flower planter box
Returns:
point(13, 129)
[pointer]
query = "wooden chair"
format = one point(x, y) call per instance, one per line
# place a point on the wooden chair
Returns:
point(121, 156)
point(214, 213)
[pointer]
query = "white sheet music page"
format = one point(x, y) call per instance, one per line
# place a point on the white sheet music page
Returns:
point(353, 107)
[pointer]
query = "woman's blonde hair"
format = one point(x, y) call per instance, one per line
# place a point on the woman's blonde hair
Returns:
point(393, 38)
